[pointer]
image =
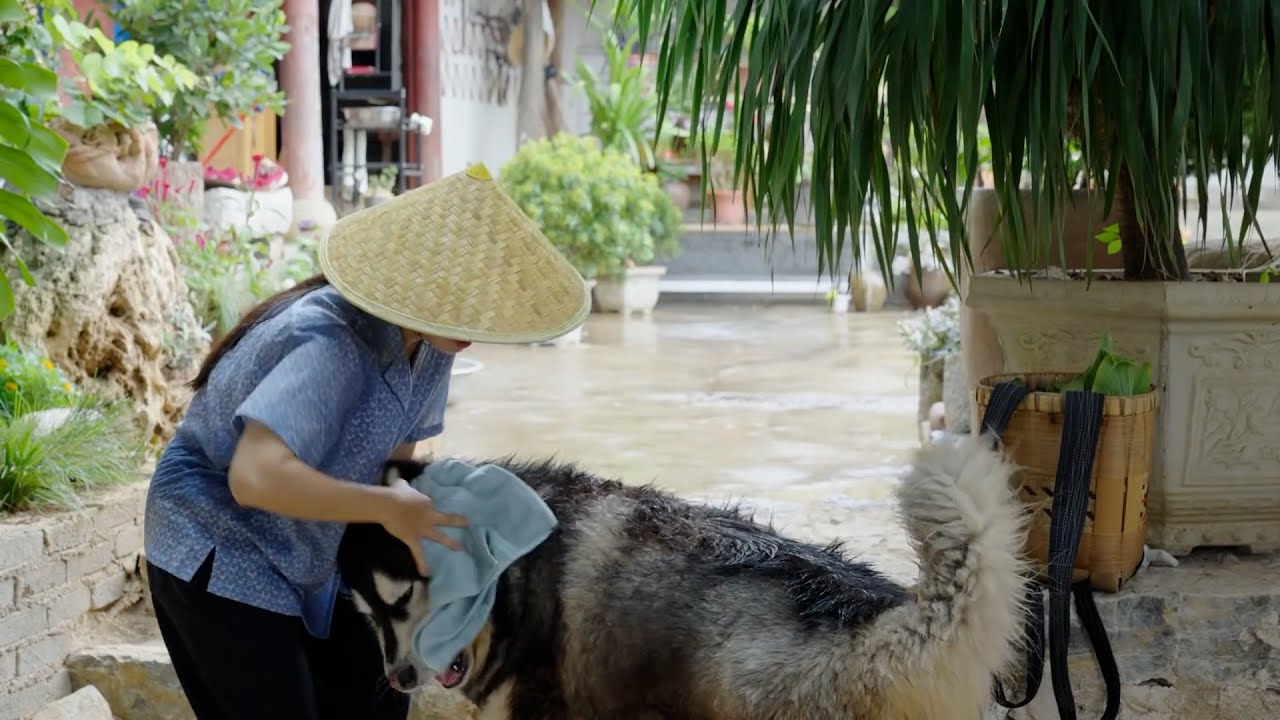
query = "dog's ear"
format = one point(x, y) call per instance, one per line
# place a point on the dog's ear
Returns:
point(406, 470)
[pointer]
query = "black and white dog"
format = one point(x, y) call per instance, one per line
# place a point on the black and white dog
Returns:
point(643, 605)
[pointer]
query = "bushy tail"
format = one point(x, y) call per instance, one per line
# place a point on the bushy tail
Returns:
point(968, 529)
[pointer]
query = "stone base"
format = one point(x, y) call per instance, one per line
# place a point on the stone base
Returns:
point(1201, 640)
point(1214, 350)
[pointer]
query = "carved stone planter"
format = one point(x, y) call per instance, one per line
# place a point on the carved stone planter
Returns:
point(1215, 354)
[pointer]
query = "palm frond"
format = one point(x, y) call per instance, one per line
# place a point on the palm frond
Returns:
point(1154, 91)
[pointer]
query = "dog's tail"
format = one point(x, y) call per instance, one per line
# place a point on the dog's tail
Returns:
point(965, 624)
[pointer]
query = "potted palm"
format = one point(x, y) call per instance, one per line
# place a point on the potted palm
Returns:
point(1128, 111)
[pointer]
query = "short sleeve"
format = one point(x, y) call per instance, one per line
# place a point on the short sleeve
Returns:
point(431, 420)
point(306, 397)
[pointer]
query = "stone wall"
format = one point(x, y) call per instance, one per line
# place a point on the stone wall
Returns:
point(56, 568)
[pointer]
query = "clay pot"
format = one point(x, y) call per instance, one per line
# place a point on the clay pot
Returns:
point(730, 207)
point(930, 293)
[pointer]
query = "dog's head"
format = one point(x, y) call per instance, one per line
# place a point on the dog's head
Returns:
point(388, 590)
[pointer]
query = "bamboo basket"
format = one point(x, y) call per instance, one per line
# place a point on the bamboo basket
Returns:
point(1111, 546)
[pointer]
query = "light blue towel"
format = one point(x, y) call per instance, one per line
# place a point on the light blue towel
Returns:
point(507, 521)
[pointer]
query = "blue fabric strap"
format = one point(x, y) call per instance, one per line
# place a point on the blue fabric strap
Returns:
point(1082, 424)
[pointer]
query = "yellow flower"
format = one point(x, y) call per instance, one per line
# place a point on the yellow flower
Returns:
point(11, 386)
point(3, 364)
point(48, 365)
point(66, 386)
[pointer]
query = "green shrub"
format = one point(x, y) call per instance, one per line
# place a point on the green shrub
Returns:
point(29, 381)
point(50, 459)
point(230, 45)
point(594, 204)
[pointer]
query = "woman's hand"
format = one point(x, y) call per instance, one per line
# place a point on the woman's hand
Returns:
point(411, 517)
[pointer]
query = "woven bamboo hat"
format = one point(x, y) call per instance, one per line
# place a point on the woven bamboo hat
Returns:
point(458, 259)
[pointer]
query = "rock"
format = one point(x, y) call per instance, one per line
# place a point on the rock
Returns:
point(111, 308)
point(84, 704)
point(137, 681)
point(435, 703)
point(1191, 642)
point(49, 420)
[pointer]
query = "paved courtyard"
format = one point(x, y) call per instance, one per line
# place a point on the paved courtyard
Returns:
point(804, 415)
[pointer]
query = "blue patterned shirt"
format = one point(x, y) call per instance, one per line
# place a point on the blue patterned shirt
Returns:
point(336, 385)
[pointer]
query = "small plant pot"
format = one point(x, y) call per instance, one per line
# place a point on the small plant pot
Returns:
point(927, 292)
point(637, 290)
point(730, 207)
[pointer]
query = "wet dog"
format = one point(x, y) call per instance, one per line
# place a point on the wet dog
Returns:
point(643, 605)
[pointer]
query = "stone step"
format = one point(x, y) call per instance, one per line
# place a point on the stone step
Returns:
point(1201, 640)
point(139, 683)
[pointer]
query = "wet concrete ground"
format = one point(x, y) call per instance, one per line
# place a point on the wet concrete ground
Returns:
point(803, 415)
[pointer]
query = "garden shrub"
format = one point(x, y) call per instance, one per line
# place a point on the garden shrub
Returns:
point(56, 439)
point(594, 204)
point(28, 380)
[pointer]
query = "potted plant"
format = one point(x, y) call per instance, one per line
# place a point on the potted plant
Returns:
point(608, 218)
point(728, 197)
point(1126, 111)
point(112, 96)
point(933, 334)
point(231, 46)
point(381, 186)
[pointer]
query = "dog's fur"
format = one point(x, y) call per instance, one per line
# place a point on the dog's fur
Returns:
point(642, 605)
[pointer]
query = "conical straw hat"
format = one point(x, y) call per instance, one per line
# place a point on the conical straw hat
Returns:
point(458, 259)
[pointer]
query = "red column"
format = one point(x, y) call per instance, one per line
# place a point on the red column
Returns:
point(301, 129)
point(424, 79)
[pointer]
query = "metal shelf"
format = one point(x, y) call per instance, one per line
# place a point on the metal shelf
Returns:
point(387, 85)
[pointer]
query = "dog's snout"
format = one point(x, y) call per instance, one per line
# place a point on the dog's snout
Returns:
point(404, 677)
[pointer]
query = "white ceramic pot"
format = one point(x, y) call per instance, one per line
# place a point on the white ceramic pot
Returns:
point(636, 291)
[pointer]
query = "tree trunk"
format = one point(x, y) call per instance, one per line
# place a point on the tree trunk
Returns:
point(1146, 258)
point(531, 110)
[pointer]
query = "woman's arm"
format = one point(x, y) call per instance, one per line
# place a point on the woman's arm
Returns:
point(266, 475)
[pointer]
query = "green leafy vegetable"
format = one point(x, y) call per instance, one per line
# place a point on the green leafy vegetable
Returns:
point(1111, 374)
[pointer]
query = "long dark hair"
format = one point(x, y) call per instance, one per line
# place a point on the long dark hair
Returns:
point(256, 314)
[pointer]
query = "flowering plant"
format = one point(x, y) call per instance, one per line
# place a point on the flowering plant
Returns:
point(29, 381)
point(934, 333)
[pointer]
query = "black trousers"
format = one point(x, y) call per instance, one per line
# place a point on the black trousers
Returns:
point(238, 662)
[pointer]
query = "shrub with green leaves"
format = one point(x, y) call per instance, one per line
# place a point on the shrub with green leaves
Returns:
point(30, 153)
point(594, 204)
point(29, 380)
point(231, 46)
point(125, 84)
point(51, 457)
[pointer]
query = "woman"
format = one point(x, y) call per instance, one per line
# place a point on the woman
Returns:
point(295, 412)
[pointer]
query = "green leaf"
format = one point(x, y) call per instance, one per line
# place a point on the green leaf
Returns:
point(6, 297)
point(1114, 247)
point(12, 11)
point(18, 170)
point(15, 128)
point(21, 211)
point(32, 79)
